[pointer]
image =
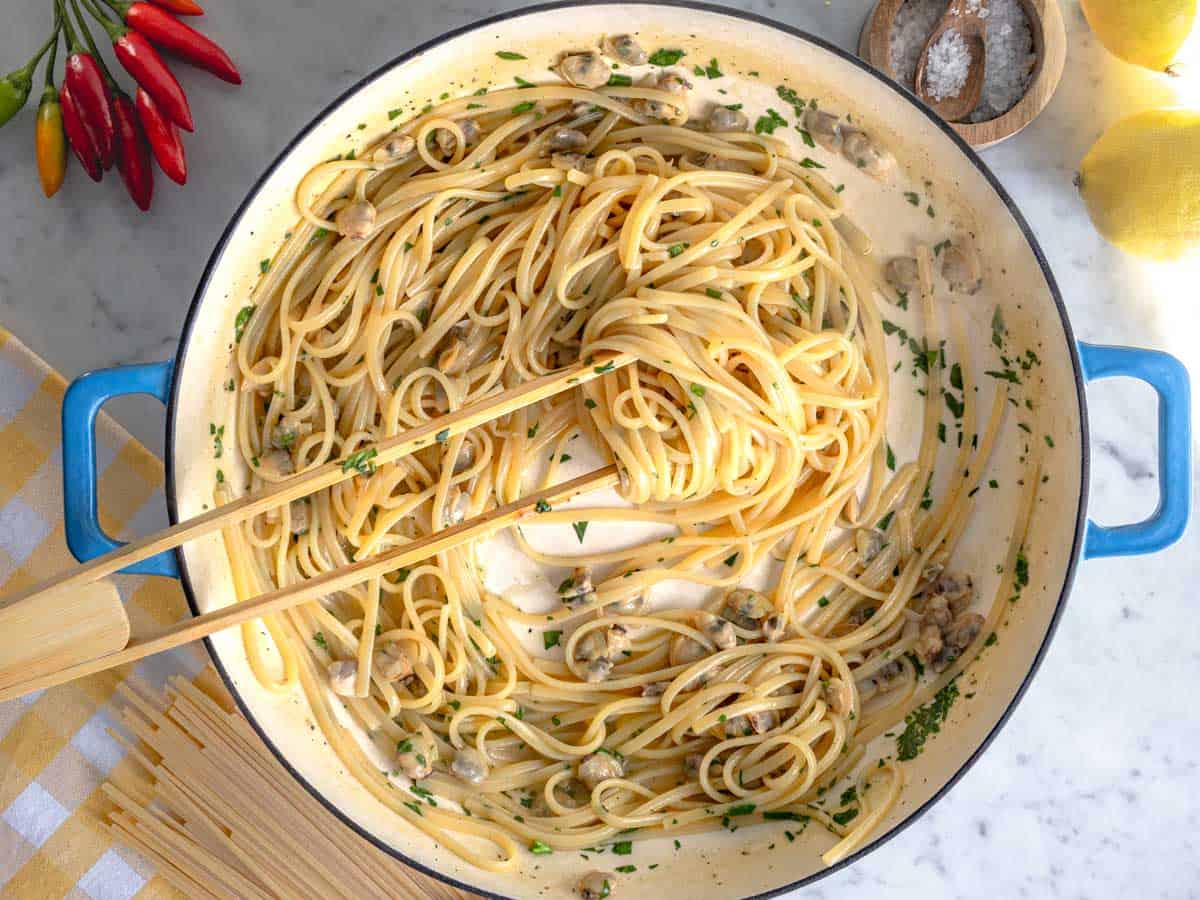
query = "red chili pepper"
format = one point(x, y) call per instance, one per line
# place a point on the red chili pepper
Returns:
point(181, 7)
point(133, 153)
point(164, 138)
point(78, 136)
point(85, 81)
point(142, 61)
point(183, 40)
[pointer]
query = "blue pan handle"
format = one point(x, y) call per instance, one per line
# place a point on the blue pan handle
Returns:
point(83, 400)
point(1169, 379)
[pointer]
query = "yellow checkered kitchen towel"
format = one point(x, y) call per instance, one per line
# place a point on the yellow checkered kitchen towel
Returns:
point(55, 749)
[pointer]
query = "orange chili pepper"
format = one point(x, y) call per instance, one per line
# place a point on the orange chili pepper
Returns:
point(51, 142)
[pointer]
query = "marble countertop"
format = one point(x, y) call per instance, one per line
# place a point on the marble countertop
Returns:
point(1091, 789)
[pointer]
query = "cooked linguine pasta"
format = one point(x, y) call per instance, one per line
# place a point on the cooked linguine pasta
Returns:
point(493, 239)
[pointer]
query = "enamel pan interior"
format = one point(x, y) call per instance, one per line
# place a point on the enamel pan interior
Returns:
point(956, 195)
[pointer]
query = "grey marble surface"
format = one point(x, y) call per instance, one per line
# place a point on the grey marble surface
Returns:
point(1092, 788)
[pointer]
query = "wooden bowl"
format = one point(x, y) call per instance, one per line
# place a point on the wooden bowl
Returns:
point(1049, 45)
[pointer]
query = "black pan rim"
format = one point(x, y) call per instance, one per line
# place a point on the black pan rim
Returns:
point(904, 95)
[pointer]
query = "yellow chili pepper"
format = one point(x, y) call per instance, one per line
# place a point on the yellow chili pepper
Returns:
point(51, 142)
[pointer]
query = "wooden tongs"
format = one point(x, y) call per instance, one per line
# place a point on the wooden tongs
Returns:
point(75, 625)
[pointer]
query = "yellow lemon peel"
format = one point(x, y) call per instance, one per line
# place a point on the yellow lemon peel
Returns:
point(1141, 183)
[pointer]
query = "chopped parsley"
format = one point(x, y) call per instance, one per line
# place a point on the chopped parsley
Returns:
point(540, 849)
point(998, 329)
point(1006, 375)
point(698, 390)
point(730, 560)
point(509, 54)
point(923, 722)
point(955, 405)
point(264, 266)
point(616, 80)
point(1021, 569)
point(794, 100)
point(912, 198)
point(809, 163)
point(319, 640)
point(580, 529)
point(523, 107)
point(783, 815)
point(424, 793)
point(622, 848)
point(768, 123)
point(361, 462)
point(542, 506)
point(442, 436)
point(742, 809)
point(713, 292)
point(239, 323)
point(675, 249)
point(550, 639)
point(665, 57)
point(844, 816)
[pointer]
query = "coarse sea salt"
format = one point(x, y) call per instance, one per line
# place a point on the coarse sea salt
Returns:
point(1009, 41)
point(947, 66)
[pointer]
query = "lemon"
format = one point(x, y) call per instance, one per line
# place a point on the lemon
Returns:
point(1143, 32)
point(1141, 183)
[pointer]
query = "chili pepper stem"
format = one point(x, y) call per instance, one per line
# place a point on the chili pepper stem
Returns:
point(53, 50)
point(21, 80)
point(27, 70)
point(114, 29)
point(73, 45)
